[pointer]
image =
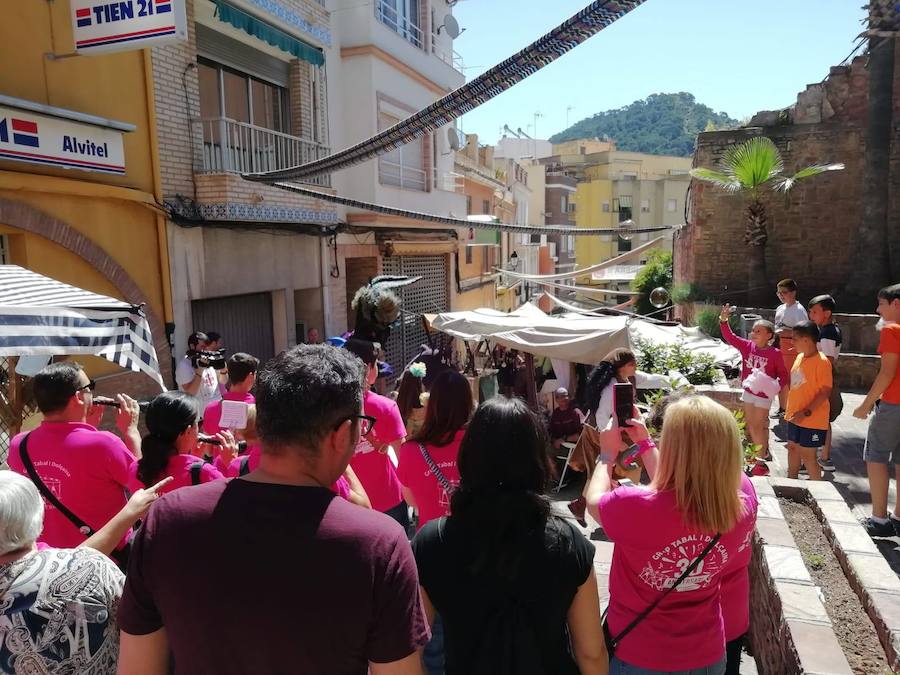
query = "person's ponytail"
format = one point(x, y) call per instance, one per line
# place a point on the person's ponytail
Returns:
point(168, 415)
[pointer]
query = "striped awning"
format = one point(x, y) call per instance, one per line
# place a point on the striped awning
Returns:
point(40, 316)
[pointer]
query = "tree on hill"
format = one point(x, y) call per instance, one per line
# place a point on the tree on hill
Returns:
point(661, 124)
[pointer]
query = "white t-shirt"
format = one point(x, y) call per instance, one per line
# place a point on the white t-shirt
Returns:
point(209, 386)
point(790, 316)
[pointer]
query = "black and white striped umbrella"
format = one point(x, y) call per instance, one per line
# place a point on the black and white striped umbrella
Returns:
point(40, 316)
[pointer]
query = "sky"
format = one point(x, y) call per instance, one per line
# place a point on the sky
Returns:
point(736, 57)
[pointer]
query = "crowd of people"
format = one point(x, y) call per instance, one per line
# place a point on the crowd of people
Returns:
point(287, 518)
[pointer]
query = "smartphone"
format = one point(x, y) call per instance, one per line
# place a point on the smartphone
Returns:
point(624, 402)
point(625, 482)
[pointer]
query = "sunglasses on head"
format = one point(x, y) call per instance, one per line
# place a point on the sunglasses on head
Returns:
point(92, 384)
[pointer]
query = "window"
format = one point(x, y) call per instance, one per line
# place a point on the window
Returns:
point(403, 167)
point(645, 206)
point(570, 242)
point(4, 250)
point(486, 206)
point(488, 259)
point(402, 17)
point(563, 204)
point(571, 207)
point(629, 175)
point(229, 93)
point(468, 254)
point(671, 205)
point(468, 205)
point(605, 207)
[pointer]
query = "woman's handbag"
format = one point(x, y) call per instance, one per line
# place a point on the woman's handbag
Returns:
point(587, 448)
point(613, 642)
point(119, 555)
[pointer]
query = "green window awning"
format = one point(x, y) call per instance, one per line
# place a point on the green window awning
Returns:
point(268, 33)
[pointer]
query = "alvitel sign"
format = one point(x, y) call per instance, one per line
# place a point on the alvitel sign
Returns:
point(52, 141)
point(101, 26)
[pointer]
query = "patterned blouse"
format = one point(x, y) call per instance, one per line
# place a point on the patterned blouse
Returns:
point(58, 613)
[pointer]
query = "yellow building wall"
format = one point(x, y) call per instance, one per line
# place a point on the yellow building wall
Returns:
point(118, 213)
point(589, 199)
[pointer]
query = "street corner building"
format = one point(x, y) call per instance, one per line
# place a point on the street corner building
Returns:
point(80, 190)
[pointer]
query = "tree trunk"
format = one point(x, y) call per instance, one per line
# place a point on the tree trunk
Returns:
point(756, 236)
point(872, 268)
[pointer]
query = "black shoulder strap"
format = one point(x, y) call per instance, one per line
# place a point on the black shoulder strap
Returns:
point(441, 478)
point(46, 493)
point(245, 466)
point(196, 468)
point(684, 575)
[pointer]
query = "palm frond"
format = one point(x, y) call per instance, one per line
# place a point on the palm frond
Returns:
point(753, 163)
point(786, 183)
point(717, 178)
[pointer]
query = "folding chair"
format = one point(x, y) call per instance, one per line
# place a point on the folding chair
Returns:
point(567, 457)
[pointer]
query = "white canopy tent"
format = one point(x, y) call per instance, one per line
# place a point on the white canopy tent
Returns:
point(43, 317)
point(574, 337)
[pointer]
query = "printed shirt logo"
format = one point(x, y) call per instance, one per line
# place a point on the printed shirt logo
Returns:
point(664, 567)
point(798, 379)
point(757, 361)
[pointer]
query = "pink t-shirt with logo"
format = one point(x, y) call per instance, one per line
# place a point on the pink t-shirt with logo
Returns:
point(652, 548)
point(374, 469)
point(767, 359)
point(252, 456)
point(431, 498)
point(213, 412)
point(179, 467)
point(85, 468)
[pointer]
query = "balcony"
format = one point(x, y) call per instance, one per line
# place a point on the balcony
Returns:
point(237, 147)
point(398, 174)
point(387, 13)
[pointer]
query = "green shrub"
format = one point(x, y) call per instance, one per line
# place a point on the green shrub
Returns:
point(659, 358)
point(657, 273)
point(684, 293)
point(708, 322)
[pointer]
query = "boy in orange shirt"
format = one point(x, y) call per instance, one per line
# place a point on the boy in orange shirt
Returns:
point(883, 437)
point(807, 404)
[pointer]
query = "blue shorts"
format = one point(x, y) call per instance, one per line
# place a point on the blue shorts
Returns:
point(805, 437)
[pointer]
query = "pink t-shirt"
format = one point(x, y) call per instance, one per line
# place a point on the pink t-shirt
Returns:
point(652, 548)
point(412, 469)
point(342, 488)
point(85, 468)
point(374, 469)
point(768, 359)
point(234, 469)
point(213, 412)
point(179, 467)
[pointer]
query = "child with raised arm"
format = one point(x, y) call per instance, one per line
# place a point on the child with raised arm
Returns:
point(763, 375)
point(807, 404)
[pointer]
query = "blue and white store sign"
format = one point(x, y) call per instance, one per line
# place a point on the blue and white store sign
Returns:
point(27, 136)
point(121, 25)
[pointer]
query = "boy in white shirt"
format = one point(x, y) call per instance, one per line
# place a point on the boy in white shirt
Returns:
point(789, 314)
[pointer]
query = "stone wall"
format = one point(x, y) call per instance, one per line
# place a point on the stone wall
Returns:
point(811, 231)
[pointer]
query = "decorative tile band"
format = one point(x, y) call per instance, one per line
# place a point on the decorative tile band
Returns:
point(293, 20)
point(261, 213)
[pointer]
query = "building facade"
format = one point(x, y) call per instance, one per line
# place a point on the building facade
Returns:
point(393, 59)
point(80, 175)
point(247, 92)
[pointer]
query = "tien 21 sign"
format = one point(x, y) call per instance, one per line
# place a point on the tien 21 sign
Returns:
point(127, 24)
point(53, 141)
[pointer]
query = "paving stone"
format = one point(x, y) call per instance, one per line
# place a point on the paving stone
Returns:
point(769, 507)
point(885, 609)
point(775, 531)
point(802, 602)
point(872, 573)
point(786, 564)
point(762, 486)
point(823, 490)
point(603, 551)
point(818, 649)
point(789, 488)
point(852, 538)
point(834, 511)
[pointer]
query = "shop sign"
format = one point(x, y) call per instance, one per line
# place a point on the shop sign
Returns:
point(127, 24)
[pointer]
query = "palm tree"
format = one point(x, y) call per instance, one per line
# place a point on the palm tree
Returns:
point(750, 169)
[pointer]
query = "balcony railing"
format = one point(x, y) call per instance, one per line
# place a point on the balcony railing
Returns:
point(237, 147)
point(399, 23)
point(399, 175)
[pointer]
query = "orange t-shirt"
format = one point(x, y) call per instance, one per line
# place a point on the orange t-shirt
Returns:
point(809, 376)
point(890, 344)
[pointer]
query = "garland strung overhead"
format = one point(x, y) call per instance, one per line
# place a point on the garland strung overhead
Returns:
point(592, 19)
point(461, 222)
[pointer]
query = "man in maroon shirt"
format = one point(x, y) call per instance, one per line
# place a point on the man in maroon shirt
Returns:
point(272, 572)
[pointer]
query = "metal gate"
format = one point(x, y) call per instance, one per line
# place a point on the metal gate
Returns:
point(428, 296)
point(244, 321)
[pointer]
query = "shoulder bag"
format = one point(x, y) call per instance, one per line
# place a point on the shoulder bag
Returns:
point(613, 642)
point(119, 555)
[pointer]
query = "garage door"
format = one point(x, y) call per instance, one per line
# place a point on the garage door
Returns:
point(427, 296)
point(245, 322)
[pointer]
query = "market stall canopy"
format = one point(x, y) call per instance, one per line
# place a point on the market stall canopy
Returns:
point(573, 337)
point(40, 316)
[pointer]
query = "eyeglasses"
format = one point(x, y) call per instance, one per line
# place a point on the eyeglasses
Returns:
point(366, 423)
point(92, 384)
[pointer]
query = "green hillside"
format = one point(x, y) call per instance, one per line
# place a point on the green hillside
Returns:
point(661, 124)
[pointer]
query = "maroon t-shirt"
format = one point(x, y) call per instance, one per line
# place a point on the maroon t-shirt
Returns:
point(259, 578)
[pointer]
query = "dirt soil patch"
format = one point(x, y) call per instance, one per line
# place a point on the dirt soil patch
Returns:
point(852, 626)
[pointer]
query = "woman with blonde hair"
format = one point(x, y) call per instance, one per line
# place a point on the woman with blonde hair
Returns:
point(689, 530)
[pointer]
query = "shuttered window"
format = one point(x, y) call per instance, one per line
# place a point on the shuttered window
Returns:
point(245, 322)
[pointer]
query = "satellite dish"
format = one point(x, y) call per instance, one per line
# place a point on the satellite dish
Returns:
point(453, 138)
point(451, 25)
